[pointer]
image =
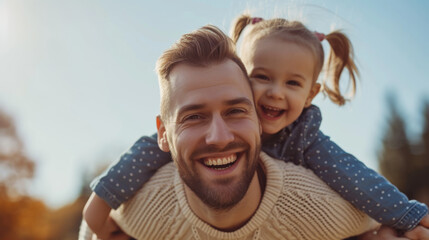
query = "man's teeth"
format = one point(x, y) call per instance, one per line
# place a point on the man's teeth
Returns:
point(220, 161)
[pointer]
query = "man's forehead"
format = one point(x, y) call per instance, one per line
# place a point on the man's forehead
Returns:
point(185, 77)
point(217, 84)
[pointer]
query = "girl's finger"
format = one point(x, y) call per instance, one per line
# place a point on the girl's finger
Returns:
point(418, 233)
point(425, 221)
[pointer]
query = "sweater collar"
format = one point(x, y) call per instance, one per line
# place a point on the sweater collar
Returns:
point(273, 188)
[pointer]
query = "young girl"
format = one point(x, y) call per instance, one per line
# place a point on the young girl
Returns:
point(283, 60)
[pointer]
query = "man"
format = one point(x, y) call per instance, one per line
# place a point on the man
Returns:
point(220, 186)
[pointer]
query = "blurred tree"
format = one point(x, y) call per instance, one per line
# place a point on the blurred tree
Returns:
point(66, 220)
point(21, 217)
point(24, 218)
point(406, 164)
point(425, 133)
point(395, 155)
point(419, 178)
point(15, 166)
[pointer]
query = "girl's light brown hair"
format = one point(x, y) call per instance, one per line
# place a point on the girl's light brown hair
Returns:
point(340, 56)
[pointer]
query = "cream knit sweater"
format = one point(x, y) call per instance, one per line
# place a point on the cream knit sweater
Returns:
point(296, 205)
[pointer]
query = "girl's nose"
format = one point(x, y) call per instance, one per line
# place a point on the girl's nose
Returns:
point(275, 92)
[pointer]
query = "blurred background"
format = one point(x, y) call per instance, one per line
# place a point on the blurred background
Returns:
point(78, 87)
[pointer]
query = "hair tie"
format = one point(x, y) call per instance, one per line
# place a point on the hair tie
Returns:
point(319, 36)
point(256, 20)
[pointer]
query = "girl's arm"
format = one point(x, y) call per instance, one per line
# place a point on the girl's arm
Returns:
point(421, 232)
point(125, 177)
point(96, 215)
point(120, 182)
point(305, 144)
point(362, 186)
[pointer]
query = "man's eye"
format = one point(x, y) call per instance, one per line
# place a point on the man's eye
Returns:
point(192, 117)
point(236, 111)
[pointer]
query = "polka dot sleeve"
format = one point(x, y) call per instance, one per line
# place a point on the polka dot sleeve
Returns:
point(134, 168)
point(304, 144)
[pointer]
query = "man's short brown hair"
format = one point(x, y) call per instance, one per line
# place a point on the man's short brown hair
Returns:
point(203, 47)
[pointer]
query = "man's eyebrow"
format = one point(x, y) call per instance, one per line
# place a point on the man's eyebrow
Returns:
point(190, 107)
point(241, 100)
point(235, 101)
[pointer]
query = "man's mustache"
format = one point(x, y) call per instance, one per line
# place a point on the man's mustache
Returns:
point(209, 149)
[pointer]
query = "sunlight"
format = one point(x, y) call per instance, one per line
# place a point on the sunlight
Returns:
point(4, 27)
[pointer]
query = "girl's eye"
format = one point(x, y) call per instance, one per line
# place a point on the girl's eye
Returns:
point(261, 77)
point(293, 83)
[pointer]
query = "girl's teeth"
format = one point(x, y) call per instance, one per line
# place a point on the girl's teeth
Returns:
point(272, 108)
point(272, 111)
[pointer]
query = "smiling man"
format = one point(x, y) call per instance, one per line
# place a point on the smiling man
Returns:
point(220, 185)
point(213, 134)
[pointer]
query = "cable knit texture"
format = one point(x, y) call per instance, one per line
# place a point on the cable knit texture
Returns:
point(296, 205)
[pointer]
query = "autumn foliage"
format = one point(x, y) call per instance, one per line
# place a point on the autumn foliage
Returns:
point(23, 217)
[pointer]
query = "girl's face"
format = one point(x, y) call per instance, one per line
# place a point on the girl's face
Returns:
point(281, 74)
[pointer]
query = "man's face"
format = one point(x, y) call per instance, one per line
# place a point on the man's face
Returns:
point(213, 131)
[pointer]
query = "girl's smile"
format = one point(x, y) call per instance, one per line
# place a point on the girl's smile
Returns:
point(281, 74)
point(270, 112)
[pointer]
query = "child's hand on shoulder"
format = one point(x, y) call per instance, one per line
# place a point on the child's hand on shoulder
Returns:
point(383, 233)
point(421, 232)
point(111, 231)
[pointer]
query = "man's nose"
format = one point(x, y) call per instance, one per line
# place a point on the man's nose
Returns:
point(219, 133)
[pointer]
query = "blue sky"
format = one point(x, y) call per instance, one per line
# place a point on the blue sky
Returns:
point(77, 76)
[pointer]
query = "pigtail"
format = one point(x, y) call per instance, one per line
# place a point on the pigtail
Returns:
point(238, 26)
point(340, 57)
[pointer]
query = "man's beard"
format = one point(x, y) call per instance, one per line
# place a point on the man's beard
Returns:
point(230, 192)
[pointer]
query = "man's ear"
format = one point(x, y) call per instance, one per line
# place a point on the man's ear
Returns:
point(162, 135)
point(313, 93)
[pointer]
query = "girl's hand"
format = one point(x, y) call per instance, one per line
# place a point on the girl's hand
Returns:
point(111, 231)
point(384, 233)
point(421, 232)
